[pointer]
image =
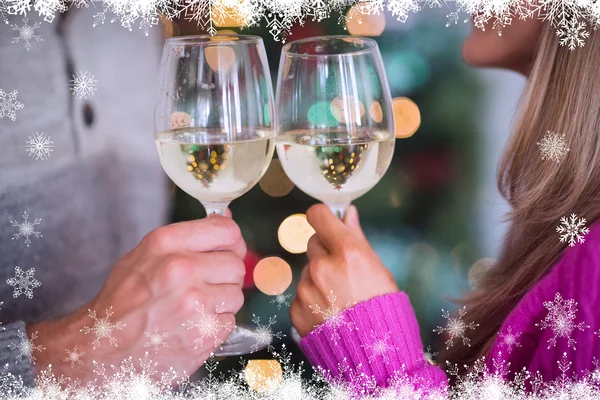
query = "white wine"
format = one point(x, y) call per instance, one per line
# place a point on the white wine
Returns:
point(335, 167)
point(213, 170)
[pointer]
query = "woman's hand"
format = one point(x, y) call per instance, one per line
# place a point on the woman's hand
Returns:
point(340, 263)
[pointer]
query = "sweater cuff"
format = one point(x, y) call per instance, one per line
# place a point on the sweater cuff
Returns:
point(13, 362)
point(378, 338)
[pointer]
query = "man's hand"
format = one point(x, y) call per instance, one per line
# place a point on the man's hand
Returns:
point(159, 284)
point(340, 260)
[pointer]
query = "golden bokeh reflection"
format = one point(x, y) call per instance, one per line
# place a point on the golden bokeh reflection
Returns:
point(220, 58)
point(263, 375)
point(361, 23)
point(227, 32)
point(180, 119)
point(347, 109)
point(294, 233)
point(227, 15)
point(478, 270)
point(275, 182)
point(272, 276)
point(220, 36)
point(376, 112)
point(407, 117)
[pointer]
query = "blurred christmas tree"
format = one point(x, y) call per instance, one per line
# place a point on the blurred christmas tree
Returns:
point(418, 217)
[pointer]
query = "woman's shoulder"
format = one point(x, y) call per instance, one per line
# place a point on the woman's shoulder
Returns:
point(583, 256)
point(575, 278)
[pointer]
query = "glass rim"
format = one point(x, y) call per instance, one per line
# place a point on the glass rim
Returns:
point(207, 39)
point(370, 45)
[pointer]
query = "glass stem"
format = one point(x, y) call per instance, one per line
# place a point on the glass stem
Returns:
point(339, 209)
point(215, 208)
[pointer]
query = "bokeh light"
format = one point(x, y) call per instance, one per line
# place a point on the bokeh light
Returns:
point(180, 119)
point(347, 109)
point(395, 200)
point(406, 116)
point(360, 23)
point(275, 182)
point(263, 375)
point(168, 26)
point(272, 275)
point(220, 58)
point(294, 233)
point(407, 70)
point(227, 14)
point(220, 36)
point(319, 114)
point(478, 270)
point(376, 112)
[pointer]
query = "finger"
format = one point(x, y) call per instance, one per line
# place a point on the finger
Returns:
point(298, 319)
point(315, 248)
point(305, 273)
point(351, 220)
point(221, 267)
point(330, 230)
point(225, 299)
point(209, 234)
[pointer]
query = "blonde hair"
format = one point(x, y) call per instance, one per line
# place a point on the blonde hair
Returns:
point(563, 96)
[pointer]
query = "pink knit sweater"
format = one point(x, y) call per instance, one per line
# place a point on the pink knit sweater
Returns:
point(556, 320)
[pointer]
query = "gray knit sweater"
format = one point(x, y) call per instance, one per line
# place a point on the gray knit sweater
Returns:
point(101, 189)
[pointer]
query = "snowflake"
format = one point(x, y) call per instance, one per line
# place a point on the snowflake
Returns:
point(39, 146)
point(25, 346)
point(572, 33)
point(10, 384)
point(207, 325)
point(572, 230)
point(553, 146)
point(83, 85)
point(156, 339)
point(9, 104)
point(23, 282)
point(26, 228)
point(561, 320)
point(281, 300)
point(263, 334)
point(430, 355)
point(379, 347)
point(456, 327)
point(26, 33)
point(18, 7)
point(4, 11)
point(74, 357)
point(102, 328)
point(509, 339)
point(333, 317)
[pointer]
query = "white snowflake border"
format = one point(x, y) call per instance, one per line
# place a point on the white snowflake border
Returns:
point(573, 20)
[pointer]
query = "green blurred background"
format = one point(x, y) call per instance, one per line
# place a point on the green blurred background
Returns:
point(419, 218)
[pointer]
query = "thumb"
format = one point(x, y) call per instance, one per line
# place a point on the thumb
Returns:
point(352, 222)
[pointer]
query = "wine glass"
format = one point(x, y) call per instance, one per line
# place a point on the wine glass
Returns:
point(213, 128)
point(334, 118)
